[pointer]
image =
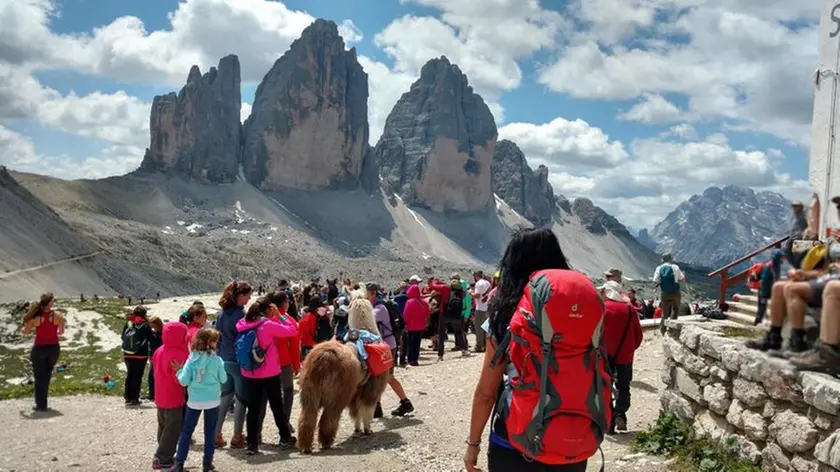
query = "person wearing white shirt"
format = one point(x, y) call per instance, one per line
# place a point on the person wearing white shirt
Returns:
point(481, 295)
point(668, 277)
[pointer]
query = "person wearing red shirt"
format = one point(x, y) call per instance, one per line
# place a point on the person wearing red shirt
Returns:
point(622, 335)
point(288, 349)
point(48, 326)
point(306, 331)
point(441, 291)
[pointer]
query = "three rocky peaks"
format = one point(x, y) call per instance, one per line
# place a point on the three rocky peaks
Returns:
point(308, 130)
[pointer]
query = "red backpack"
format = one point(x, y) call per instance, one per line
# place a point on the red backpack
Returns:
point(557, 407)
point(754, 275)
point(379, 358)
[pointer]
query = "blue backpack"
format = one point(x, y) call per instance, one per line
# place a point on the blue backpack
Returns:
point(667, 282)
point(249, 353)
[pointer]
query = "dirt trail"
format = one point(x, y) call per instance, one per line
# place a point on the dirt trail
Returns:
point(99, 433)
point(44, 266)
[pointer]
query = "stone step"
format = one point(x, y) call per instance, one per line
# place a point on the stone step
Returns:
point(746, 299)
point(743, 308)
point(742, 318)
point(654, 323)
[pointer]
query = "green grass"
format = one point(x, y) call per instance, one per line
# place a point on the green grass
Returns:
point(86, 365)
point(673, 438)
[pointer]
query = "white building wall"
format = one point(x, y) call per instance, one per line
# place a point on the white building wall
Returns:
point(824, 167)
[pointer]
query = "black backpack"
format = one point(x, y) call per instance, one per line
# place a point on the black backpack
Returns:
point(454, 308)
point(133, 339)
point(397, 321)
point(323, 329)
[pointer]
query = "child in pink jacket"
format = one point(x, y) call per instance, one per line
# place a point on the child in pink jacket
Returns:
point(265, 379)
point(170, 396)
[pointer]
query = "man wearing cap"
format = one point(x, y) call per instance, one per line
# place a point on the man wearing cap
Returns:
point(797, 229)
point(668, 277)
point(481, 294)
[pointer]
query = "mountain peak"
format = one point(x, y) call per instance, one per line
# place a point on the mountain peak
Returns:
point(721, 225)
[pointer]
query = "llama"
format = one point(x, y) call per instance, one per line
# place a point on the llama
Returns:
point(329, 368)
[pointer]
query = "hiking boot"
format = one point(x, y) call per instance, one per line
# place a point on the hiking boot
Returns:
point(405, 408)
point(440, 359)
point(771, 341)
point(620, 424)
point(414, 364)
point(377, 413)
point(238, 442)
point(220, 441)
point(822, 358)
point(466, 354)
point(158, 465)
point(252, 451)
point(177, 467)
point(288, 443)
point(208, 468)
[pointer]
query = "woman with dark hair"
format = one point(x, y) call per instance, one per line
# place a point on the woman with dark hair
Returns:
point(529, 251)
point(237, 294)
point(264, 380)
point(48, 326)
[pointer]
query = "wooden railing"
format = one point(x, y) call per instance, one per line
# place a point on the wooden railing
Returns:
point(726, 281)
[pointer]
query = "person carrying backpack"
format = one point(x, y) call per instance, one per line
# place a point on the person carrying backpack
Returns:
point(453, 316)
point(136, 340)
point(668, 277)
point(548, 412)
point(259, 362)
point(383, 322)
point(622, 334)
point(235, 297)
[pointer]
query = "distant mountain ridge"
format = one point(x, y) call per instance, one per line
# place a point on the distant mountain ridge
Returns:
point(720, 225)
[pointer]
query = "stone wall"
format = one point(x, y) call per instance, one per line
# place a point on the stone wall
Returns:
point(780, 418)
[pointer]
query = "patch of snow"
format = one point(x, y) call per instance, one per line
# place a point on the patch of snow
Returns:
point(167, 230)
point(273, 228)
point(240, 176)
point(193, 227)
point(413, 213)
point(181, 223)
point(85, 326)
point(426, 256)
point(16, 381)
point(503, 204)
point(244, 231)
point(234, 231)
point(269, 238)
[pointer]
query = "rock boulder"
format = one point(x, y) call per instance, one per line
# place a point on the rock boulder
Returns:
point(308, 128)
point(437, 147)
point(197, 132)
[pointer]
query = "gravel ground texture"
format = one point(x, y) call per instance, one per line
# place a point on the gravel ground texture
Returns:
point(93, 433)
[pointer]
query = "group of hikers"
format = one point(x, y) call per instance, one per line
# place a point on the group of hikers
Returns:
point(534, 315)
point(812, 287)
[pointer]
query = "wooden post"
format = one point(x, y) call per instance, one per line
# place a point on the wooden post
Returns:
point(723, 286)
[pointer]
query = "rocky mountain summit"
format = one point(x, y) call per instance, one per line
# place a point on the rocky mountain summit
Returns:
point(437, 147)
point(722, 225)
point(308, 127)
point(596, 220)
point(526, 191)
point(197, 131)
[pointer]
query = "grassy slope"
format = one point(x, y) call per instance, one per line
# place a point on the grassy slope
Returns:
point(86, 364)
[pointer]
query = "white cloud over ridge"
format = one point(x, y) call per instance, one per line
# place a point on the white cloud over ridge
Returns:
point(743, 64)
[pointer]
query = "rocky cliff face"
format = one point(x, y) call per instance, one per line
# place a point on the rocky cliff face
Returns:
point(596, 220)
point(197, 132)
point(308, 127)
point(722, 225)
point(437, 147)
point(526, 191)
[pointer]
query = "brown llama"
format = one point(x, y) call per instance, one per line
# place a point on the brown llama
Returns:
point(325, 376)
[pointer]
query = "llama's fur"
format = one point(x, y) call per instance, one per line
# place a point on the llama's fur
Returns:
point(325, 375)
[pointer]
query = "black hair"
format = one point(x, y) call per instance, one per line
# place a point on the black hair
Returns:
point(279, 298)
point(529, 251)
point(257, 309)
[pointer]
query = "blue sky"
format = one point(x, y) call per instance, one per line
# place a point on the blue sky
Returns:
point(636, 112)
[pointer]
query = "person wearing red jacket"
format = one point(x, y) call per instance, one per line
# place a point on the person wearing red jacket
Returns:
point(416, 315)
point(622, 335)
point(442, 292)
point(306, 330)
point(288, 350)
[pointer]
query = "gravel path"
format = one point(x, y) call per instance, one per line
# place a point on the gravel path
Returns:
point(99, 433)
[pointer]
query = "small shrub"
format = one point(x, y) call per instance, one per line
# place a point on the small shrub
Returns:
point(734, 332)
point(671, 437)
